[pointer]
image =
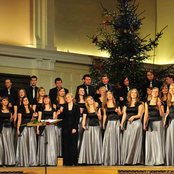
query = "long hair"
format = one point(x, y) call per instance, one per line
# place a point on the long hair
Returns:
point(18, 101)
point(161, 93)
point(43, 104)
point(30, 109)
point(129, 99)
point(149, 87)
point(87, 106)
point(38, 95)
point(104, 103)
point(78, 97)
point(169, 97)
point(2, 98)
point(157, 99)
point(58, 96)
point(74, 100)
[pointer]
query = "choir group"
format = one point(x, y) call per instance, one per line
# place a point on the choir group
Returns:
point(99, 126)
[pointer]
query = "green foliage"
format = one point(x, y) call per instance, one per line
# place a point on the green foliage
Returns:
point(118, 36)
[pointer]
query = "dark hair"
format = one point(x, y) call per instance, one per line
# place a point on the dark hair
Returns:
point(58, 79)
point(18, 100)
point(77, 96)
point(150, 71)
point(123, 79)
point(43, 104)
point(33, 77)
point(170, 76)
point(8, 79)
point(149, 87)
point(86, 75)
point(5, 97)
point(105, 75)
point(30, 109)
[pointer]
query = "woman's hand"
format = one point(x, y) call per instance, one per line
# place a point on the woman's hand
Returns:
point(164, 125)
point(144, 127)
point(38, 132)
point(58, 112)
point(18, 132)
point(159, 104)
point(61, 109)
point(35, 114)
point(131, 119)
point(103, 126)
point(73, 131)
point(121, 125)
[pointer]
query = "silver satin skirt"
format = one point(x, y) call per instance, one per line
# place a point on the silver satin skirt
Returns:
point(7, 152)
point(49, 135)
point(169, 146)
point(80, 133)
point(154, 144)
point(132, 149)
point(58, 131)
point(91, 148)
point(112, 144)
point(26, 152)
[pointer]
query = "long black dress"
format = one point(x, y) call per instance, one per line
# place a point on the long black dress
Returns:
point(70, 122)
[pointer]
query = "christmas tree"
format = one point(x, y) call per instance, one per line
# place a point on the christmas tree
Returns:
point(118, 36)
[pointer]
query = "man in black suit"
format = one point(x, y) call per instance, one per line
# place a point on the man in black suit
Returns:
point(32, 90)
point(125, 87)
point(107, 85)
point(152, 82)
point(53, 91)
point(89, 90)
point(9, 92)
point(169, 80)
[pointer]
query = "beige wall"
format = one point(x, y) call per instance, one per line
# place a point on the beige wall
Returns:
point(15, 22)
point(75, 19)
point(71, 75)
point(166, 17)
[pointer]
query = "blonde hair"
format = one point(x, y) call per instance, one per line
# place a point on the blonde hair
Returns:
point(129, 99)
point(169, 98)
point(38, 95)
point(157, 99)
point(87, 106)
point(71, 96)
point(104, 103)
point(102, 87)
point(58, 99)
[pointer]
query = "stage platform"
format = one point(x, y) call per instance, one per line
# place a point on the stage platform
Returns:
point(91, 169)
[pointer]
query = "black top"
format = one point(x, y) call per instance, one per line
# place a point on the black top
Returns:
point(81, 105)
point(165, 105)
point(26, 117)
point(99, 102)
point(4, 120)
point(47, 114)
point(38, 106)
point(92, 118)
point(53, 93)
point(131, 111)
point(58, 105)
point(111, 114)
point(171, 113)
point(154, 114)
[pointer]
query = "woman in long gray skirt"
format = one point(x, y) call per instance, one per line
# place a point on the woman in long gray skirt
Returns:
point(91, 148)
point(7, 152)
point(169, 124)
point(154, 111)
point(81, 103)
point(26, 143)
point(113, 137)
point(59, 105)
point(47, 133)
point(132, 150)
